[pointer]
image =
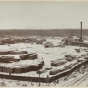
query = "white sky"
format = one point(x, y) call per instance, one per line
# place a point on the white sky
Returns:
point(44, 15)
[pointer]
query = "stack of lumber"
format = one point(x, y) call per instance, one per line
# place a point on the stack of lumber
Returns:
point(54, 71)
point(4, 52)
point(18, 52)
point(24, 56)
point(57, 62)
point(32, 56)
point(6, 59)
point(41, 71)
point(70, 57)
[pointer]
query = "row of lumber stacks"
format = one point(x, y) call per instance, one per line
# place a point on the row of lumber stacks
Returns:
point(4, 52)
point(74, 61)
point(59, 70)
point(7, 41)
point(25, 68)
point(14, 62)
point(23, 55)
point(15, 69)
point(43, 70)
point(54, 71)
point(29, 56)
point(18, 40)
point(70, 57)
point(18, 52)
point(58, 62)
point(32, 56)
point(8, 59)
point(19, 68)
point(12, 52)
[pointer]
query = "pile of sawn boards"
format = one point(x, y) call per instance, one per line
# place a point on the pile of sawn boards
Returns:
point(29, 56)
point(12, 52)
point(70, 57)
point(18, 52)
point(41, 71)
point(57, 70)
point(8, 59)
point(20, 69)
point(54, 71)
point(57, 62)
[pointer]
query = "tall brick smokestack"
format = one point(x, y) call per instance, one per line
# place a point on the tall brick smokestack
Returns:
point(81, 31)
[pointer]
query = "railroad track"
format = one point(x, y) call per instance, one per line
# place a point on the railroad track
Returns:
point(76, 81)
point(79, 82)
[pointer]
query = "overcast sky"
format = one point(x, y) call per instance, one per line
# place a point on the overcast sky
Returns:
point(43, 15)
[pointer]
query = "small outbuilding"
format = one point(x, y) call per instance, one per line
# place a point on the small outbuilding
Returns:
point(48, 44)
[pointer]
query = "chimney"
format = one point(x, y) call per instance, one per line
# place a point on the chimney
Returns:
point(81, 31)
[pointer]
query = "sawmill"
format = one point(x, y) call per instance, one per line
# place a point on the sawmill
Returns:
point(73, 40)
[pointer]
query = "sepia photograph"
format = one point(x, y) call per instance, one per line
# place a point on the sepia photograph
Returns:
point(43, 43)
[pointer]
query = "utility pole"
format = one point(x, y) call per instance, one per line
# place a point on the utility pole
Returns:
point(81, 31)
point(39, 78)
point(47, 80)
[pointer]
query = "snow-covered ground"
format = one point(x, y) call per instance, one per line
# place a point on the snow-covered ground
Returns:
point(75, 79)
point(48, 54)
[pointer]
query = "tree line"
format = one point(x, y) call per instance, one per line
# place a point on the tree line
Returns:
point(40, 32)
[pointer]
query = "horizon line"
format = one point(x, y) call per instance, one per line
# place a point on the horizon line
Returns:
point(42, 29)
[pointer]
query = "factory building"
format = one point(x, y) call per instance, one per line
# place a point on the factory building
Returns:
point(73, 40)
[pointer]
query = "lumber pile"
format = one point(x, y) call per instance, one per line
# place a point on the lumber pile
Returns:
point(57, 62)
point(54, 71)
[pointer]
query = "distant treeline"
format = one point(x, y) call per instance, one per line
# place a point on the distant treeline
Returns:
point(50, 32)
